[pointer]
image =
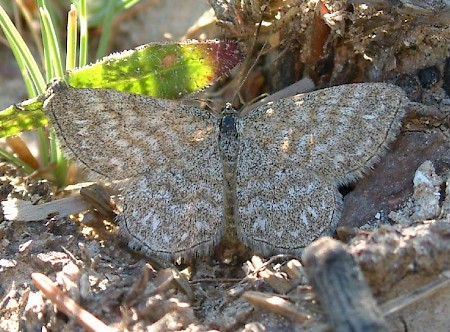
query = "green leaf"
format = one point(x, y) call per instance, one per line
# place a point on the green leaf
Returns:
point(160, 70)
point(168, 71)
point(22, 117)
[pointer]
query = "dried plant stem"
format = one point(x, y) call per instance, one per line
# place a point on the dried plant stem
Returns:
point(65, 304)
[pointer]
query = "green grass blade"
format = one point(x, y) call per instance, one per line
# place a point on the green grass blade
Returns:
point(53, 54)
point(103, 15)
point(16, 161)
point(20, 48)
point(106, 30)
point(31, 90)
point(99, 10)
point(57, 158)
point(128, 3)
point(82, 61)
point(43, 146)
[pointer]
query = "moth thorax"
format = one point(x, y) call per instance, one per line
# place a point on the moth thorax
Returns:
point(228, 138)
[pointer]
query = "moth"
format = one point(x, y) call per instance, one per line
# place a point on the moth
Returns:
point(270, 176)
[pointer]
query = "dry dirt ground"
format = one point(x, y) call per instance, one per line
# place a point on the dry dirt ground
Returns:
point(399, 252)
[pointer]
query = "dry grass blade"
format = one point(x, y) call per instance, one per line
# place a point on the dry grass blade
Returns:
point(23, 152)
point(275, 304)
point(172, 277)
point(182, 283)
point(65, 304)
point(401, 302)
point(21, 149)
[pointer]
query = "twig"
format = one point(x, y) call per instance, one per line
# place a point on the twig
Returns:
point(68, 306)
point(216, 280)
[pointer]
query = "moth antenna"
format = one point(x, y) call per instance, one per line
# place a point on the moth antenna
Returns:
point(207, 104)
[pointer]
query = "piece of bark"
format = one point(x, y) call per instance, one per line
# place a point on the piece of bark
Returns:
point(341, 288)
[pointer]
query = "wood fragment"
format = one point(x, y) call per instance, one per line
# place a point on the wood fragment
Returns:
point(68, 306)
point(295, 270)
point(275, 304)
point(340, 286)
point(18, 210)
point(279, 284)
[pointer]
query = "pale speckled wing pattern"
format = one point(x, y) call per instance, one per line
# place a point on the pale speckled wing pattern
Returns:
point(173, 203)
point(293, 155)
point(295, 152)
point(117, 134)
point(173, 211)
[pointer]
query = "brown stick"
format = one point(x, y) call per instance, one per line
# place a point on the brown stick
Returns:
point(65, 304)
point(340, 286)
